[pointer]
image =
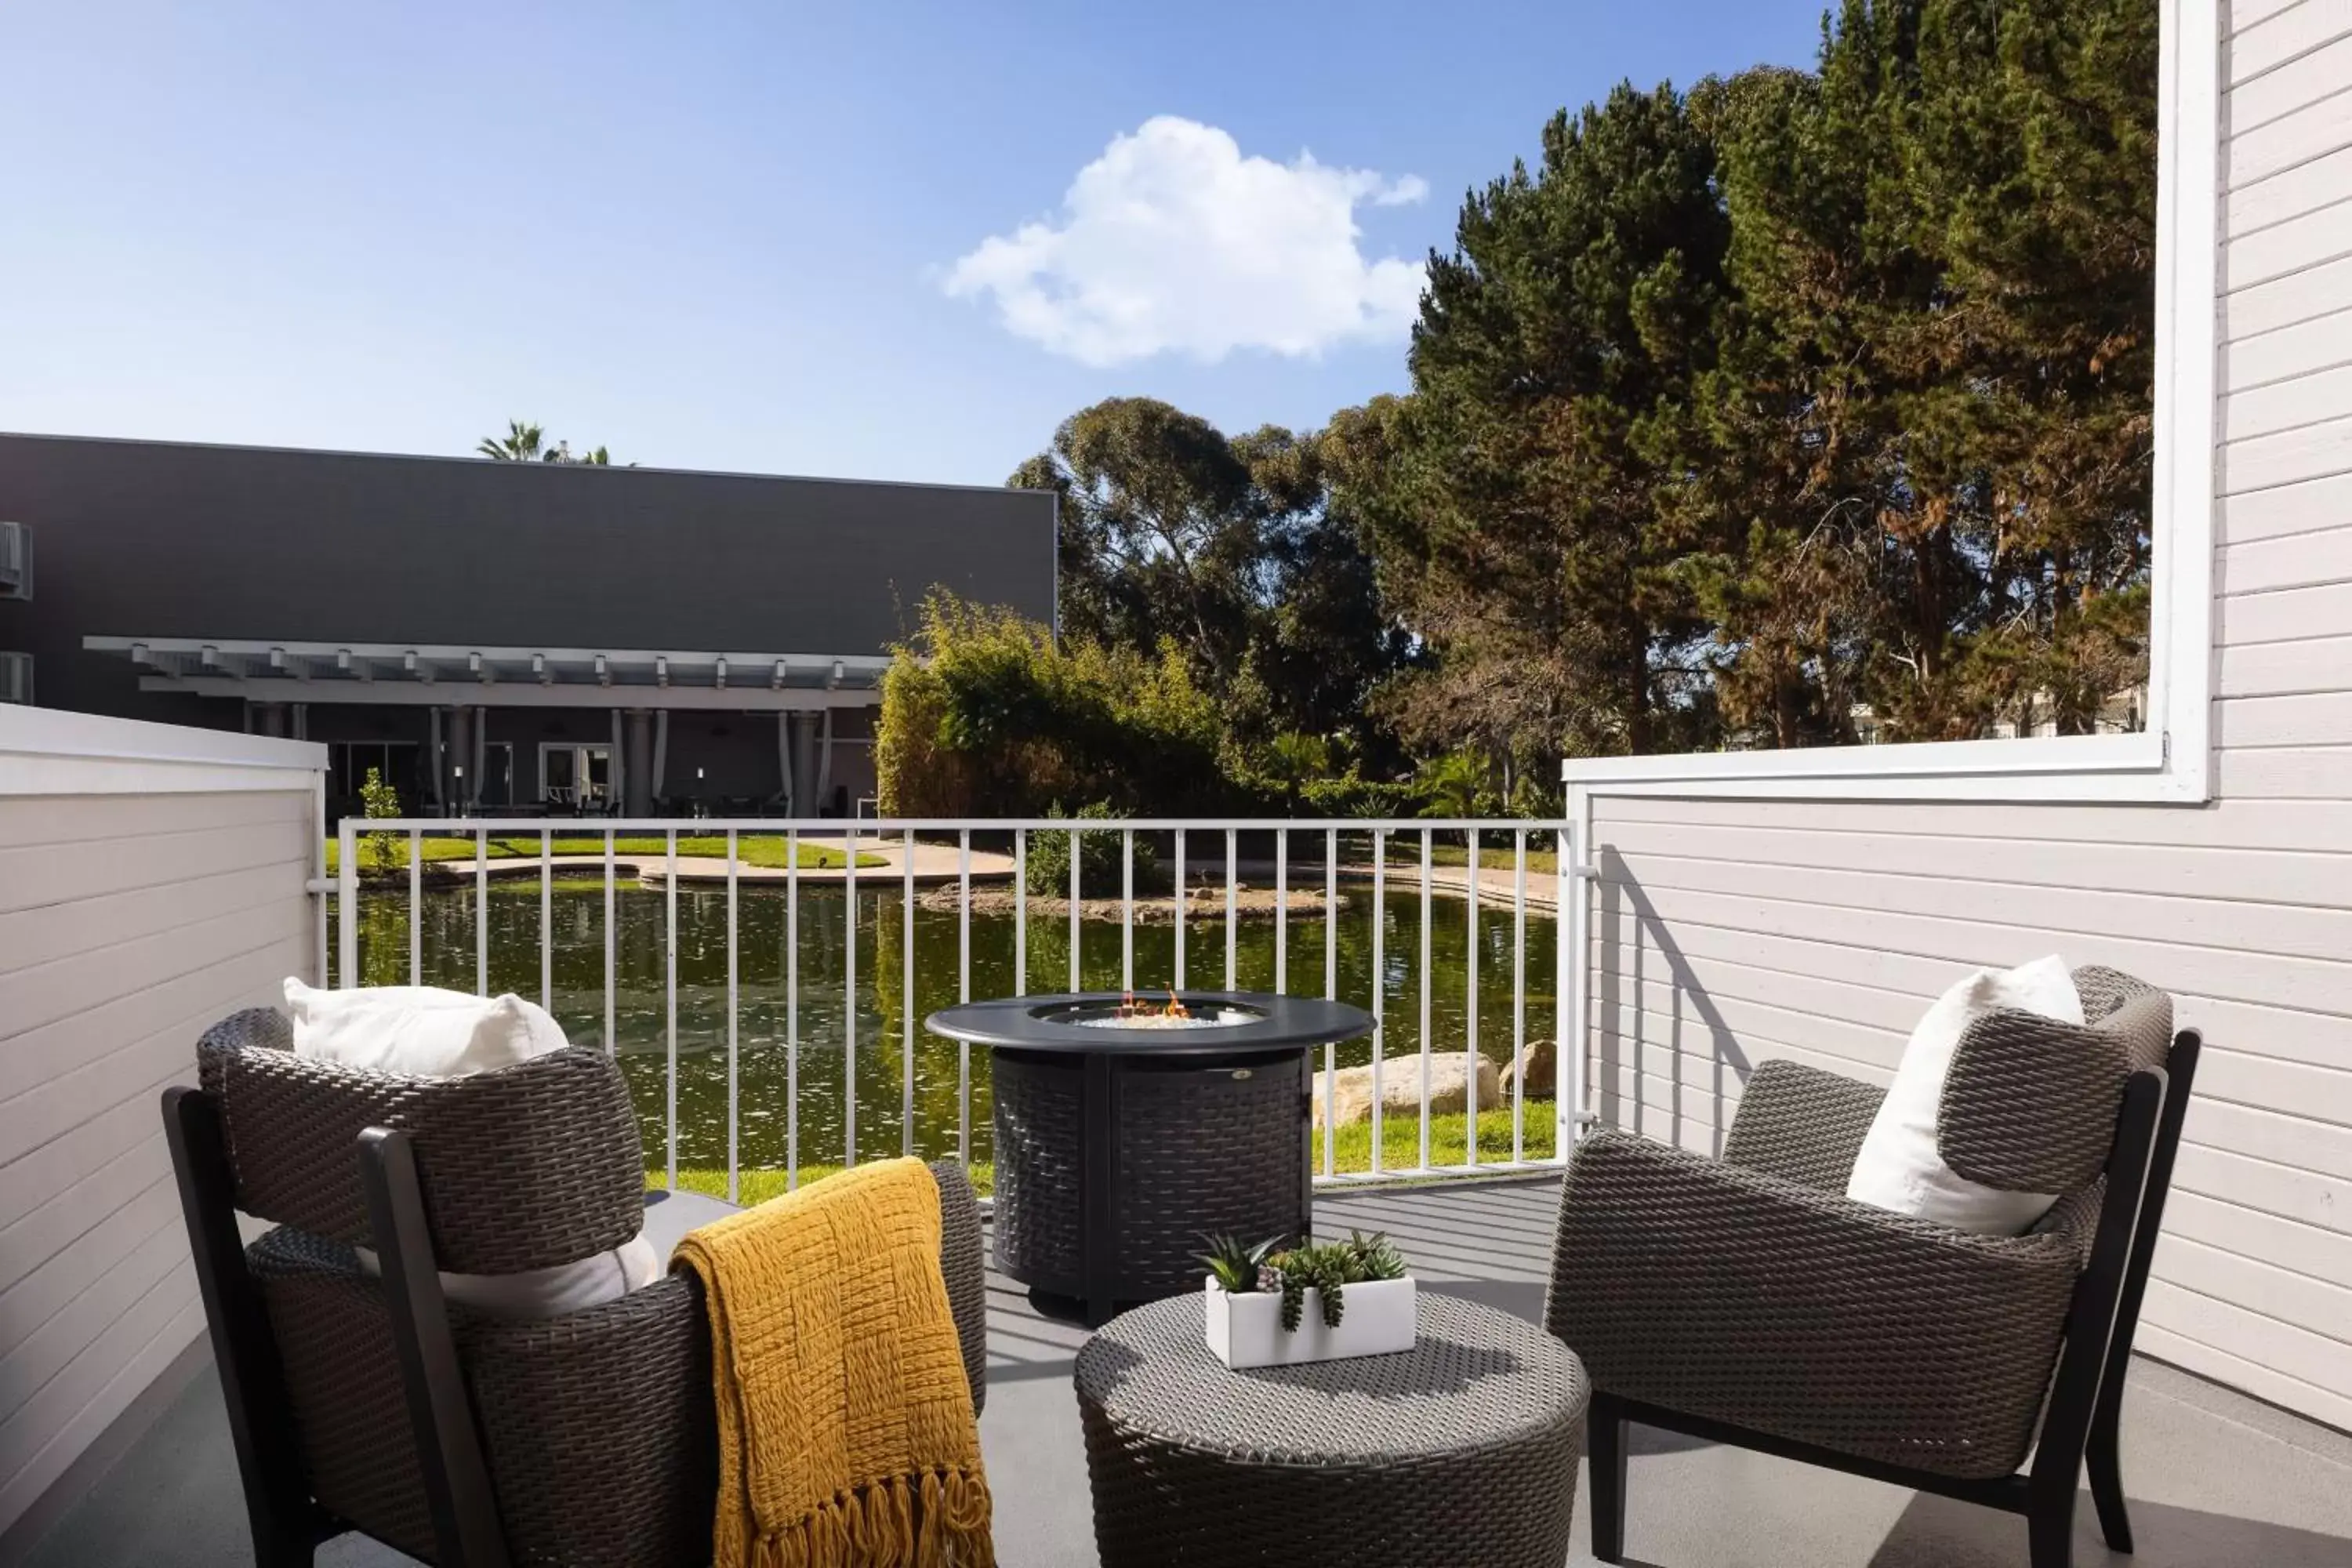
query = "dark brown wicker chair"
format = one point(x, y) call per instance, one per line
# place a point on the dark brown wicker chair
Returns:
point(1747, 1300)
point(374, 1406)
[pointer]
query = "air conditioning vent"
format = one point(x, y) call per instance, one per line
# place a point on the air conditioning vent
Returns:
point(17, 677)
point(16, 561)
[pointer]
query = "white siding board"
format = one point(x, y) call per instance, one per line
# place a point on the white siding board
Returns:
point(27, 1432)
point(2300, 1353)
point(2266, 359)
point(2324, 719)
point(40, 875)
point(2285, 668)
point(1757, 862)
point(58, 933)
point(2255, 1378)
point(178, 1008)
point(2291, 244)
point(2288, 458)
point(1873, 986)
point(2305, 1196)
point(77, 1153)
point(65, 986)
point(2299, 1112)
point(2226, 824)
point(2240, 16)
point(2300, 561)
point(2279, 1294)
point(74, 1432)
point(2289, 404)
point(2288, 775)
point(2309, 130)
point(49, 1346)
point(2294, 84)
point(2285, 303)
point(1916, 944)
point(2266, 1239)
point(2287, 34)
point(27, 820)
point(2287, 614)
point(128, 923)
point(2287, 195)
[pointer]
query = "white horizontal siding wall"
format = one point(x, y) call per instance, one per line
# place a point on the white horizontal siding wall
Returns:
point(1728, 931)
point(150, 881)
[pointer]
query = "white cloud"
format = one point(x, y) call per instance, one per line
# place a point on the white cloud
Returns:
point(1174, 242)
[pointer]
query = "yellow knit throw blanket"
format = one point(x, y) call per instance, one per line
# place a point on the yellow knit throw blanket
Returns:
point(846, 1438)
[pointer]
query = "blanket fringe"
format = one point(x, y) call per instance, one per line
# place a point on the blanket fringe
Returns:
point(881, 1525)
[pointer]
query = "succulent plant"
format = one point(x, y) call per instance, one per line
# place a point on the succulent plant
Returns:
point(1238, 1269)
point(1329, 1269)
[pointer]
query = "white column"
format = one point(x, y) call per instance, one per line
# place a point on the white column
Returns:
point(615, 778)
point(784, 759)
point(434, 763)
point(661, 753)
point(824, 765)
point(481, 749)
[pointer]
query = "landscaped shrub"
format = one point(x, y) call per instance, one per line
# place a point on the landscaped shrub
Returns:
point(983, 715)
point(1099, 857)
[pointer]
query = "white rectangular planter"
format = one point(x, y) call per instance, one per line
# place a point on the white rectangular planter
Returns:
point(1246, 1331)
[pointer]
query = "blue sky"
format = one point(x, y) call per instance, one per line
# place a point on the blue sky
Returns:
point(760, 237)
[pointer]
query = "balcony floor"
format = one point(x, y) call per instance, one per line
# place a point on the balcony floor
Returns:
point(2214, 1478)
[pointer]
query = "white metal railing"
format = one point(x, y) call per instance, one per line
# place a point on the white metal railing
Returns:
point(1352, 850)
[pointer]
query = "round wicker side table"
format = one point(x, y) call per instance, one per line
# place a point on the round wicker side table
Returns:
point(1461, 1451)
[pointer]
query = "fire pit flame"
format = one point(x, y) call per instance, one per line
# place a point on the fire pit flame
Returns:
point(1130, 1013)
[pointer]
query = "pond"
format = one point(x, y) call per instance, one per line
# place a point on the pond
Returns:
point(767, 1022)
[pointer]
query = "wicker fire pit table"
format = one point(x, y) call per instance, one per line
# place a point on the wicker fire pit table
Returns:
point(1124, 1134)
point(1460, 1452)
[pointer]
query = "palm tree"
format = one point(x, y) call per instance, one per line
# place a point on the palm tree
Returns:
point(527, 443)
point(520, 444)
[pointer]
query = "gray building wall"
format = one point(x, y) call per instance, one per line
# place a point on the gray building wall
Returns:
point(149, 539)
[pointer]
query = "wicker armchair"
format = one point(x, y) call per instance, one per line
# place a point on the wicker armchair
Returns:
point(1748, 1301)
point(359, 1404)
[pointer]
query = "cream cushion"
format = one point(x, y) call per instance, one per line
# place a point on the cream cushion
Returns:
point(1900, 1167)
point(422, 1031)
point(418, 1031)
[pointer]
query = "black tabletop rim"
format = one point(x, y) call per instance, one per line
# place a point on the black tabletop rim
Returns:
point(1010, 1022)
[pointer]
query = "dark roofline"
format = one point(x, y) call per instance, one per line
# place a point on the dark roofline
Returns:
point(438, 457)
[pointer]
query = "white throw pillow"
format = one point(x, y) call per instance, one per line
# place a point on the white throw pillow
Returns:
point(1899, 1167)
point(418, 1031)
point(422, 1031)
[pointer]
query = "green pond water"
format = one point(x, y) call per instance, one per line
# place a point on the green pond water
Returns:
point(766, 1064)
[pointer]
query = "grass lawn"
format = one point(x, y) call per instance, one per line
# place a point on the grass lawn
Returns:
point(1404, 850)
point(1353, 1151)
point(753, 849)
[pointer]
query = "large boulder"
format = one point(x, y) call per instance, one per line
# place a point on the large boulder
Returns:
point(1538, 1063)
point(1349, 1091)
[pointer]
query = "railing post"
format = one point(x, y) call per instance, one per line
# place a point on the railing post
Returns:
point(347, 905)
point(734, 994)
point(1568, 996)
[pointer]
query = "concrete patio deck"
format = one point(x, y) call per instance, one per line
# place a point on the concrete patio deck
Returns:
point(2216, 1479)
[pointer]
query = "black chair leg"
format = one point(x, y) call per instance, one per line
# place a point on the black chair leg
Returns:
point(2104, 1463)
point(2050, 1532)
point(1604, 1445)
